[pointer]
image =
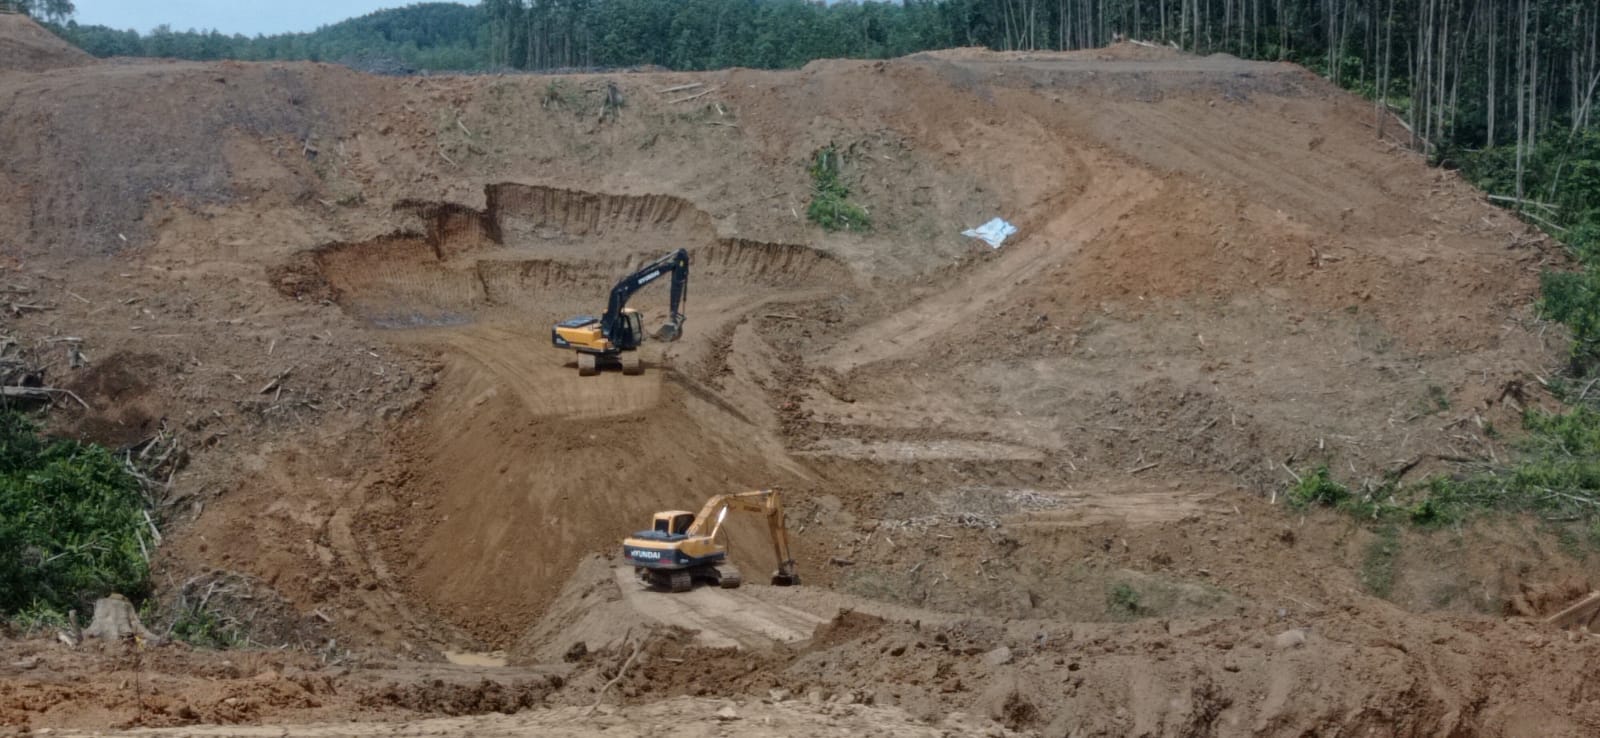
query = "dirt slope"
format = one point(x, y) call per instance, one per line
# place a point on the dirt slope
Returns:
point(336, 291)
point(26, 47)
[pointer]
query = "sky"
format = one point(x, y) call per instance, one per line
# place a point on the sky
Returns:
point(248, 17)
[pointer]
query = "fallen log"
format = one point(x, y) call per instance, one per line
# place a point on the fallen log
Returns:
point(1578, 614)
point(41, 393)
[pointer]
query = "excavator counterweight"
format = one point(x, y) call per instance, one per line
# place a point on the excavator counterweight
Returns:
point(681, 547)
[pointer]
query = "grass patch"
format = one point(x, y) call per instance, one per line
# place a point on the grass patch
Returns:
point(1557, 471)
point(557, 94)
point(1438, 399)
point(1556, 475)
point(1123, 600)
point(830, 196)
point(1563, 172)
point(1573, 298)
point(72, 523)
point(1317, 489)
point(37, 617)
point(204, 628)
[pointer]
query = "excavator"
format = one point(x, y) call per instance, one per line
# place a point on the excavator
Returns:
point(614, 338)
point(681, 547)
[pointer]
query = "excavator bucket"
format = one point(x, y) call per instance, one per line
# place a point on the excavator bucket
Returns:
point(785, 576)
point(668, 332)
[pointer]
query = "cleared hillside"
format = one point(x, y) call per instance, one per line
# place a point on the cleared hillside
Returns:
point(337, 290)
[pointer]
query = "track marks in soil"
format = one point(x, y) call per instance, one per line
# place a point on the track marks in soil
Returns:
point(684, 717)
point(1129, 506)
point(723, 617)
point(528, 367)
point(1112, 191)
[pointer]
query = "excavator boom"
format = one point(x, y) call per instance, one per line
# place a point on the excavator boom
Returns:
point(675, 264)
point(768, 502)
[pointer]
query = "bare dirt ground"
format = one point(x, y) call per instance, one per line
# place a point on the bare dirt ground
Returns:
point(27, 47)
point(692, 718)
point(1035, 486)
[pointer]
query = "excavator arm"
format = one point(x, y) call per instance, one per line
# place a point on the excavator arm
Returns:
point(676, 265)
point(768, 502)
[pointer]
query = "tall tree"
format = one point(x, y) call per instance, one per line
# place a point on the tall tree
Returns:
point(49, 10)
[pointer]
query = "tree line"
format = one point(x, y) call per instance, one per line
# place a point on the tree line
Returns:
point(49, 10)
point(424, 36)
point(1504, 88)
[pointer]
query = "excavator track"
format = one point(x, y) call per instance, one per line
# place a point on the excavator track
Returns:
point(680, 581)
point(632, 363)
point(588, 364)
point(728, 577)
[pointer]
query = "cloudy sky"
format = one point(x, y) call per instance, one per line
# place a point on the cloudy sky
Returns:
point(248, 17)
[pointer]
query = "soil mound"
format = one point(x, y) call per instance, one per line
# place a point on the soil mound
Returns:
point(27, 47)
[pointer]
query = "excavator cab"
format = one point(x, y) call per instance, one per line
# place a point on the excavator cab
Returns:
point(630, 331)
point(674, 522)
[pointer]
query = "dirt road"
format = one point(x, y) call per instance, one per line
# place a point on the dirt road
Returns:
point(683, 718)
point(721, 617)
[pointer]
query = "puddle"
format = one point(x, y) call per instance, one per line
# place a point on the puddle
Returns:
point(467, 658)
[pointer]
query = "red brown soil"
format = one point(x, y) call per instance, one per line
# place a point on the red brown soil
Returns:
point(336, 291)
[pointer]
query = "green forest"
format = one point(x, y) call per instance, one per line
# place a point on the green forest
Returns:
point(422, 37)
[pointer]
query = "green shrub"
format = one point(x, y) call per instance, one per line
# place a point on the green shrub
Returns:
point(830, 197)
point(1573, 433)
point(1573, 298)
point(38, 617)
point(1561, 181)
point(71, 523)
point(1556, 474)
point(1584, 240)
point(1318, 488)
point(206, 629)
point(1435, 508)
point(1123, 599)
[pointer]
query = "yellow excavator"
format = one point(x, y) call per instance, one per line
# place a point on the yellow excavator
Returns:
point(614, 337)
point(681, 547)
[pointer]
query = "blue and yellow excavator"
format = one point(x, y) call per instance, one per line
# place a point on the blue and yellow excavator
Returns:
point(614, 338)
point(681, 547)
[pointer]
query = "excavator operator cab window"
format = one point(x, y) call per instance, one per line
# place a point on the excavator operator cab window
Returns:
point(635, 326)
point(674, 523)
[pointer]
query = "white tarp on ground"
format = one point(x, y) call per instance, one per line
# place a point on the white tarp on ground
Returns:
point(993, 233)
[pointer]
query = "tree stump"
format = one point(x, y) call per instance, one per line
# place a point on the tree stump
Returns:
point(115, 619)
